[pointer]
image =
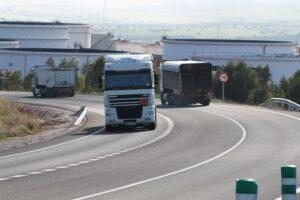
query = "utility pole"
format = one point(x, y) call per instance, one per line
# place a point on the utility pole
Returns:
point(104, 12)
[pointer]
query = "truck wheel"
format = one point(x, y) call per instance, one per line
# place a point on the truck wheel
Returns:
point(34, 94)
point(206, 103)
point(108, 128)
point(162, 99)
point(152, 126)
point(170, 101)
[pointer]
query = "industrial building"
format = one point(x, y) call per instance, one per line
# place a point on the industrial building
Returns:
point(103, 41)
point(6, 43)
point(47, 34)
point(24, 45)
point(279, 55)
point(23, 59)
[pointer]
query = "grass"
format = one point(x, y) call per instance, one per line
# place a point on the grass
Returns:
point(16, 119)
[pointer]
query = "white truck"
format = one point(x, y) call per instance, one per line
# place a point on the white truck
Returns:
point(129, 97)
point(48, 81)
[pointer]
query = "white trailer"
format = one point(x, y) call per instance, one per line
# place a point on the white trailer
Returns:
point(48, 81)
point(129, 98)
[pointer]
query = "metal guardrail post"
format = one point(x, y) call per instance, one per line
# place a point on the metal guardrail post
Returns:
point(246, 189)
point(289, 182)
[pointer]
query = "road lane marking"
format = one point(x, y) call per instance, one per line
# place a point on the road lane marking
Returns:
point(57, 145)
point(34, 173)
point(168, 130)
point(18, 176)
point(244, 135)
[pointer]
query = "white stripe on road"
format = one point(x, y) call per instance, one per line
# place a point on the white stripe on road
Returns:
point(57, 145)
point(244, 134)
point(164, 134)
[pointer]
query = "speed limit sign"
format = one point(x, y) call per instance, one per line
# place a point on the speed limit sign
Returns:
point(223, 77)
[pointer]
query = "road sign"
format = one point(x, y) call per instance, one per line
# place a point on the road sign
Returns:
point(223, 77)
point(3, 72)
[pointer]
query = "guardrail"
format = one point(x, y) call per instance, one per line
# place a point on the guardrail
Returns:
point(282, 103)
point(81, 115)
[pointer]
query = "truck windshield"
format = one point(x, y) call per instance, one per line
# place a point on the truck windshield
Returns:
point(124, 80)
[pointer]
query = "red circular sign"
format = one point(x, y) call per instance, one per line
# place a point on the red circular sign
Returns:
point(223, 77)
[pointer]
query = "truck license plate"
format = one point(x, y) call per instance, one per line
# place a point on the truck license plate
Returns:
point(130, 123)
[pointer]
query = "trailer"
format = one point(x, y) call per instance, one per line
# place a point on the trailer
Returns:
point(185, 82)
point(48, 81)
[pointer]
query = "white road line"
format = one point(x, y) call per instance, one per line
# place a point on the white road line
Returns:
point(62, 167)
point(34, 173)
point(244, 134)
point(49, 170)
point(18, 176)
point(165, 133)
point(57, 145)
point(4, 179)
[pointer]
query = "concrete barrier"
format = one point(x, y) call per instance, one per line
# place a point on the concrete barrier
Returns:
point(81, 115)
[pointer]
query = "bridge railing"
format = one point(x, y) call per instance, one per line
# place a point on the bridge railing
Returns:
point(284, 104)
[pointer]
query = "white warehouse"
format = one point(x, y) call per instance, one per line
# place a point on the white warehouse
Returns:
point(47, 34)
point(7, 43)
point(23, 59)
point(279, 55)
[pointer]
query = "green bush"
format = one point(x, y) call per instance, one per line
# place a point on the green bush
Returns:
point(14, 81)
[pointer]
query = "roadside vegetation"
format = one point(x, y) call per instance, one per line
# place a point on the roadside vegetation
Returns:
point(246, 85)
point(253, 85)
point(16, 119)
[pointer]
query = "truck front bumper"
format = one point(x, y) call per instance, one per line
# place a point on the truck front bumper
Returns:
point(148, 117)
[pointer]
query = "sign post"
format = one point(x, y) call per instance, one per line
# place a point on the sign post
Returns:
point(223, 78)
point(3, 75)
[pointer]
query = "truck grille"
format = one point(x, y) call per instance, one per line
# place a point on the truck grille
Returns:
point(127, 100)
point(129, 112)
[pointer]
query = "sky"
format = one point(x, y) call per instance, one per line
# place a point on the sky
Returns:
point(152, 11)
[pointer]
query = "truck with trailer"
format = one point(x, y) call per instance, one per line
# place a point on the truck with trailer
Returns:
point(185, 82)
point(129, 98)
point(48, 81)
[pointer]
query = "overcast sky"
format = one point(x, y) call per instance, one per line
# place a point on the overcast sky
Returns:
point(152, 11)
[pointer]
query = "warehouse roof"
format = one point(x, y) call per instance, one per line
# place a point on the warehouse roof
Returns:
point(7, 40)
point(62, 50)
point(228, 41)
point(37, 23)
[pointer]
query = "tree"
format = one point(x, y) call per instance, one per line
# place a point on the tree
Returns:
point(27, 82)
point(93, 74)
point(50, 61)
point(294, 87)
point(285, 87)
point(241, 81)
point(14, 81)
point(73, 63)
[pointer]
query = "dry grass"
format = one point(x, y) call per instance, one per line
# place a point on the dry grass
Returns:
point(16, 119)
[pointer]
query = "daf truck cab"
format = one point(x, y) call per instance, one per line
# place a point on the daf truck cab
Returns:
point(129, 98)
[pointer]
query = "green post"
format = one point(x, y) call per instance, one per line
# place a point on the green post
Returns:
point(289, 182)
point(246, 189)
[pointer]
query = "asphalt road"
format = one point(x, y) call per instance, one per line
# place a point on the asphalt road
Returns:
point(196, 153)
